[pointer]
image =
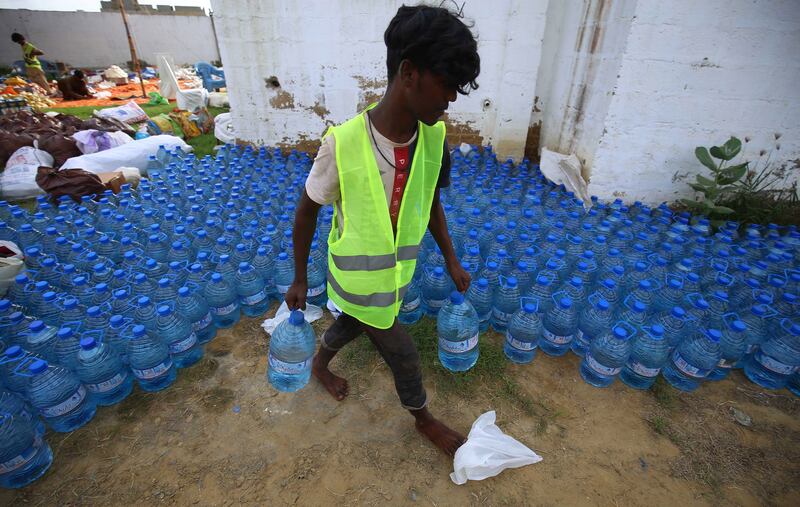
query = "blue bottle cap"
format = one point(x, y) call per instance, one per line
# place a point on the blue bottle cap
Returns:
point(639, 307)
point(483, 283)
point(36, 326)
point(296, 318)
point(738, 326)
point(183, 291)
point(101, 287)
point(93, 311)
point(645, 284)
point(603, 305)
point(16, 317)
point(40, 286)
point(565, 302)
point(143, 301)
point(138, 331)
point(675, 283)
point(177, 245)
point(100, 266)
point(283, 256)
point(621, 333)
point(216, 277)
point(657, 330)
point(456, 297)
point(618, 270)
point(116, 320)
point(714, 335)
point(88, 343)
point(21, 278)
point(163, 282)
point(5, 304)
point(511, 281)
point(38, 366)
point(438, 271)
point(164, 310)
point(244, 266)
point(70, 303)
point(575, 281)
point(679, 312)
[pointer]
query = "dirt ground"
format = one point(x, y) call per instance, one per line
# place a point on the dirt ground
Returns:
point(222, 436)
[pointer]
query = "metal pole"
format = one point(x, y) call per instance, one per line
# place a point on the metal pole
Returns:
point(135, 59)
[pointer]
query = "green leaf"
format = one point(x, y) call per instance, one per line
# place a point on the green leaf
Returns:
point(732, 147)
point(697, 187)
point(732, 174)
point(702, 155)
point(689, 203)
point(722, 210)
point(717, 152)
point(705, 181)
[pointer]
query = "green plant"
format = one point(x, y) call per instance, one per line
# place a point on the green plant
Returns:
point(722, 182)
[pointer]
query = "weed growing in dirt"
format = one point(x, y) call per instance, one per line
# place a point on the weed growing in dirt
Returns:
point(663, 393)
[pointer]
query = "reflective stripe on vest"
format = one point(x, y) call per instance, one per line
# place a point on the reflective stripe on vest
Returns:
point(368, 274)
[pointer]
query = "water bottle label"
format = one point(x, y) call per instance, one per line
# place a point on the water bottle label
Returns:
point(519, 345)
point(687, 368)
point(21, 459)
point(109, 384)
point(643, 370)
point(557, 339)
point(773, 365)
point(500, 316)
point(315, 291)
point(435, 303)
point(183, 345)
point(202, 323)
point(279, 366)
point(458, 347)
point(725, 364)
point(592, 363)
point(283, 289)
point(154, 372)
point(224, 310)
point(255, 298)
point(65, 406)
point(411, 305)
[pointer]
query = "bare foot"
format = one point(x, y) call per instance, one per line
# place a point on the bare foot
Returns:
point(335, 385)
point(442, 436)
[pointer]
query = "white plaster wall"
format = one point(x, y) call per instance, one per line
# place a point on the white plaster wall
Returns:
point(97, 39)
point(694, 73)
point(330, 60)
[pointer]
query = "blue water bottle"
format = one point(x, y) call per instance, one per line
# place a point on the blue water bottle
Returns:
point(559, 326)
point(650, 352)
point(693, 359)
point(24, 455)
point(101, 370)
point(606, 356)
point(195, 309)
point(593, 320)
point(177, 333)
point(223, 301)
point(457, 327)
point(479, 295)
point(291, 349)
point(252, 290)
point(777, 358)
point(150, 361)
point(523, 333)
point(411, 307)
point(58, 396)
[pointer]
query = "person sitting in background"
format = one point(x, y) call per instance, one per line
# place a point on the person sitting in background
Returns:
point(33, 67)
point(74, 87)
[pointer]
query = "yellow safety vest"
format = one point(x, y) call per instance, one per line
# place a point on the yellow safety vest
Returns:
point(369, 268)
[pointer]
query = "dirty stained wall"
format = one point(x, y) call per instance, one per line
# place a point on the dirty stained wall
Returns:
point(294, 69)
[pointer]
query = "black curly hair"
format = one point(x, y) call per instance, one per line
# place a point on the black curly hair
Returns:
point(436, 40)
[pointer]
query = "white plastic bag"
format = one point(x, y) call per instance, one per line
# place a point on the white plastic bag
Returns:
point(223, 128)
point(132, 154)
point(311, 314)
point(92, 141)
point(10, 267)
point(566, 169)
point(18, 181)
point(488, 451)
point(218, 99)
point(129, 113)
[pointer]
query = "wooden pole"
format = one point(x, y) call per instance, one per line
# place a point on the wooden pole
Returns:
point(135, 59)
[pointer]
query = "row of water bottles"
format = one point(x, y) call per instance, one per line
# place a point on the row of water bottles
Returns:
point(129, 288)
point(632, 290)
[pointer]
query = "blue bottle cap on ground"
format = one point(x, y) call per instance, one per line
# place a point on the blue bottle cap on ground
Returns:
point(621, 333)
point(93, 311)
point(116, 320)
point(164, 310)
point(456, 297)
point(216, 277)
point(38, 366)
point(565, 302)
point(138, 331)
point(296, 317)
point(714, 335)
point(88, 343)
point(36, 326)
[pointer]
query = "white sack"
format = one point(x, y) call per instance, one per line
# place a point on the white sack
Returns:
point(311, 313)
point(566, 169)
point(92, 141)
point(488, 451)
point(132, 154)
point(18, 181)
point(223, 128)
point(10, 267)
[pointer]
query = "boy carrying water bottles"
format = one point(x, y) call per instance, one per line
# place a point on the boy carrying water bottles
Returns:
point(382, 170)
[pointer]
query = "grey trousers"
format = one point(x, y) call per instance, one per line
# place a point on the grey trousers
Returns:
point(396, 347)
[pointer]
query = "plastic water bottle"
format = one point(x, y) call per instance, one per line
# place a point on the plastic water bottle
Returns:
point(58, 396)
point(14, 404)
point(117, 336)
point(732, 346)
point(11, 361)
point(196, 311)
point(145, 314)
point(177, 333)
point(457, 327)
point(264, 263)
point(316, 294)
point(559, 326)
point(223, 302)
point(435, 290)
point(606, 356)
point(291, 349)
point(252, 291)
point(411, 307)
point(480, 296)
point(542, 291)
point(66, 349)
point(650, 352)
point(102, 372)
point(594, 320)
point(41, 340)
point(24, 455)
point(523, 334)
point(150, 361)
point(693, 359)
point(777, 358)
point(505, 302)
point(284, 274)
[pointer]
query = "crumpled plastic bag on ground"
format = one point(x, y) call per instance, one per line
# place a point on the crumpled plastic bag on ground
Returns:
point(488, 451)
point(311, 314)
point(92, 141)
point(10, 267)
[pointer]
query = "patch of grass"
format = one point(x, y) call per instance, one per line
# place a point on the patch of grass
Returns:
point(663, 393)
point(660, 425)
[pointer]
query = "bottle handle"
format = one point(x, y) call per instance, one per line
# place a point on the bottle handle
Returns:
point(630, 328)
point(693, 297)
point(97, 334)
point(729, 318)
point(21, 368)
point(724, 279)
point(786, 322)
point(529, 300)
point(594, 298)
point(556, 296)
